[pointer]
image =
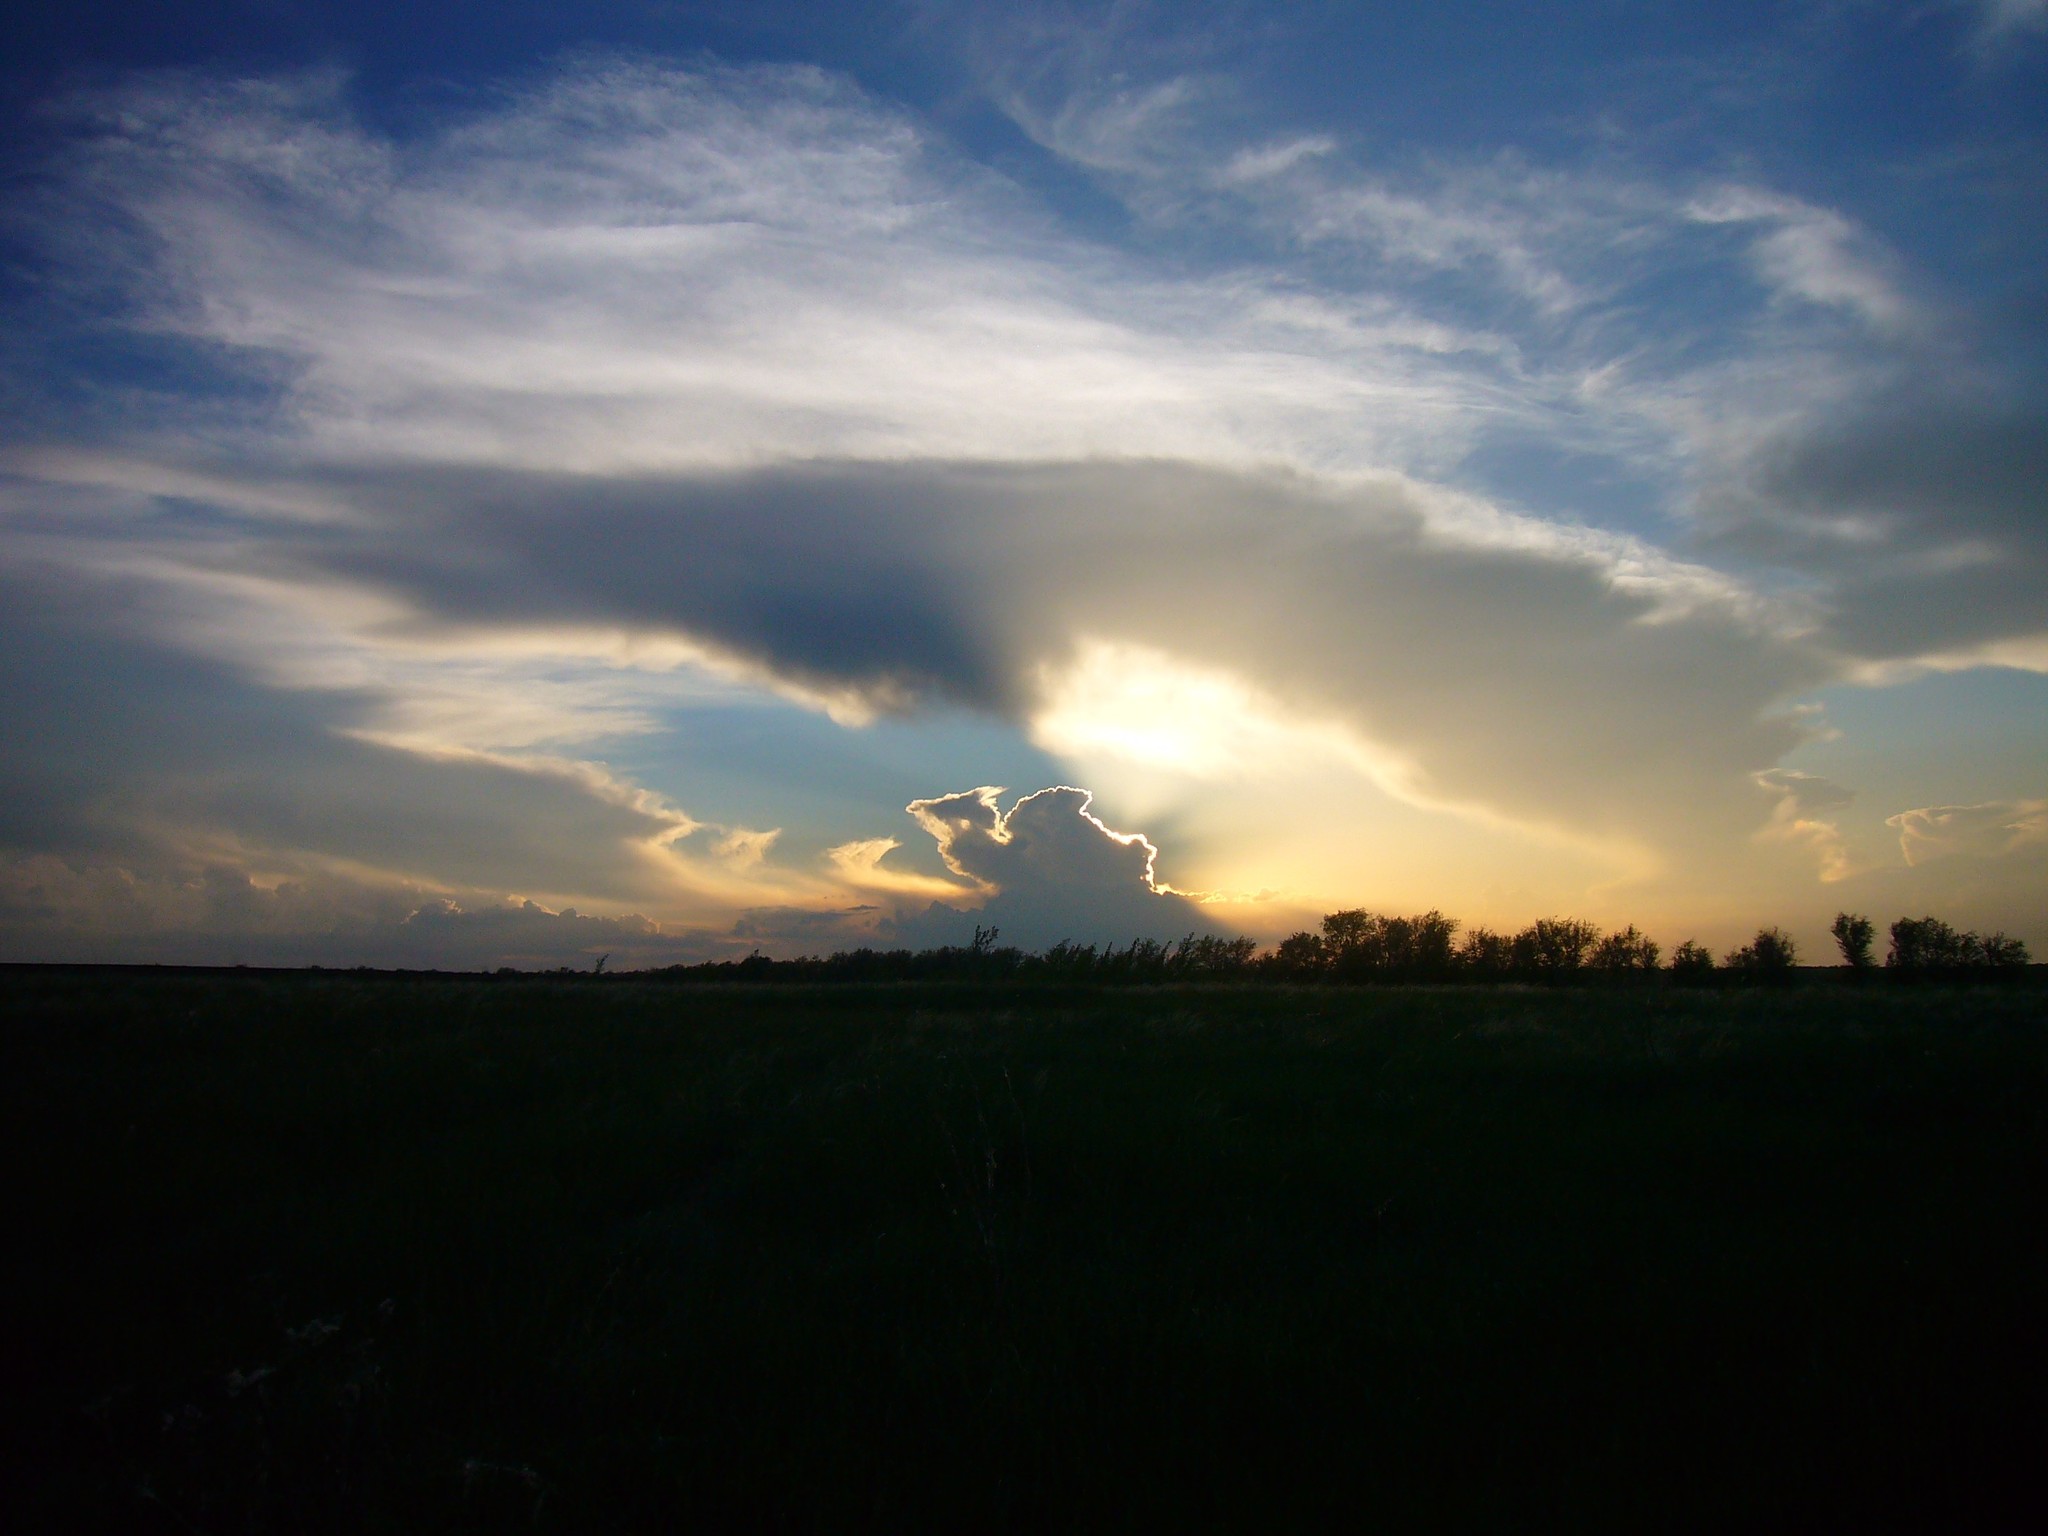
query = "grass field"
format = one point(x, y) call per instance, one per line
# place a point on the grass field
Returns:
point(303, 1252)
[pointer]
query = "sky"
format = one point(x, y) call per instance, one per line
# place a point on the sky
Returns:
point(511, 484)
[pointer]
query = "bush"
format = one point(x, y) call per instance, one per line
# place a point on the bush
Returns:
point(1363, 946)
point(1485, 954)
point(1299, 957)
point(1928, 947)
point(1552, 948)
point(1770, 956)
point(1629, 952)
point(1691, 962)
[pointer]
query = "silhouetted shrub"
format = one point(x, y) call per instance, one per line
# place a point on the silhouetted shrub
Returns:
point(1359, 946)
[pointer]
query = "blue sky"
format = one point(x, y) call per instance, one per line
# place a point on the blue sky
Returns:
point(496, 483)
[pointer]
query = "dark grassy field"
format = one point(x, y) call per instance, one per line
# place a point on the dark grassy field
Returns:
point(337, 1253)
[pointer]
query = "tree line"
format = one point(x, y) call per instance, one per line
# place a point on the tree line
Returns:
point(1356, 946)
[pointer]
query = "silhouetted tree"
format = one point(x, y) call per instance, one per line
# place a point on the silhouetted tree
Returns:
point(1354, 944)
point(1853, 935)
point(1770, 956)
point(1926, 945)
point(1364, 946)
point(1069, 960)
point(1431, 937)
point(1300, 957)
point(1211, 956)
point(1484, 953)
point(1553, 948)
point(1929, 947)
point(1692, 962)
point(1140, 960)
point(1629, 952)
point(2002, 953)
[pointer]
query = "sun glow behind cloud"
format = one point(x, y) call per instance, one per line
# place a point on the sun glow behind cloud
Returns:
point(1138, 705)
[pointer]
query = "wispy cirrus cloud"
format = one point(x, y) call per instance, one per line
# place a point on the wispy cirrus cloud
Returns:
point(1810, 254)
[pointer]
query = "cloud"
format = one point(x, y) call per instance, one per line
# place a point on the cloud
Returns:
point(1369, 607)
point(646, 384)
point(1799, 817)
point(642, 269)
point(1990, 830)
point(859, 865)
point(1440, 233)
point(743, 849)
point(87, 910)
point(1809, 253)
point(1129, 702)
point(1804, 792)
point(131, 753)
point(1049, 870)
point(1264, 161)
point(2003, 24)
point(1925, 507)
point(794, 931)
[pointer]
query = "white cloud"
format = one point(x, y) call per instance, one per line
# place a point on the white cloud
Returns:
point(1809, 253)
point(859, 865)
point(1439, 233)
point(1988, 830)
point(1262, 162)
point(744, 849)
point(1801, 817)
point(637, 270)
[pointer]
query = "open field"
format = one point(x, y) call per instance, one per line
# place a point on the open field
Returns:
point(325, 1252)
